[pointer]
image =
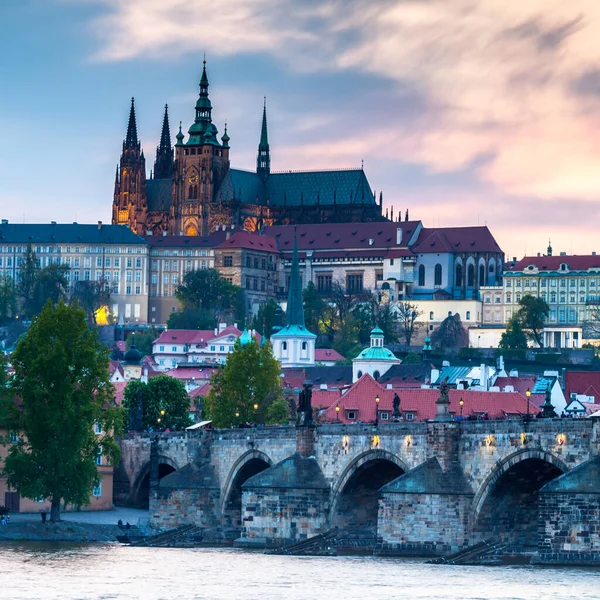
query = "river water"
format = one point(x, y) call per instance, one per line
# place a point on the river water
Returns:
point(49, 571)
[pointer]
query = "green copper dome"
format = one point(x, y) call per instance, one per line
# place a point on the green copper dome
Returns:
point(376, 353)
point(245, 338)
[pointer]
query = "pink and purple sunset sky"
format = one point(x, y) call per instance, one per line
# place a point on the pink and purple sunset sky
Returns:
point(465, 112)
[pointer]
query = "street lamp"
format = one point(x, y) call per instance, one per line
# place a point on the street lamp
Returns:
point(461, 403)
point(528, 395)
point(237, 417)
point(255, 409)
point(377, 410)
point(159, 420)
point(337, 412)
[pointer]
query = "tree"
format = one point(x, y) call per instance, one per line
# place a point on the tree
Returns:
point(206, 291)
point(269, 315)
point(407, 319)
point(450, 333)
point(251, 376)
point(191, 318)
point(8, 299)
point(26, 287)
point(314, 308)
point(51, 284)
point(412, 358)
point(91, 296)
point(388, 320)
point(533, 314)
point(143, 340)
point(514, 337)
point(61, 380)
point(591, 327)
point(345, 340)
point(161, 393)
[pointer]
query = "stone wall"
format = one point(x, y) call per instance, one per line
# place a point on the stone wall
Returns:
point(276, 517)
point(423, 524)
point(569, 529)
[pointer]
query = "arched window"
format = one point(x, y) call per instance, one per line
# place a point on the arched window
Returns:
point(468, 315)
point(191, 192)
point(421, 275)
point(359, 374)
point(437, 280)
point(376, 375)
point(304, 345)
point(491, 267)
point(481, 275)
point(471, 276)
point(284, 345)
point(459, 278)
point(431, 316)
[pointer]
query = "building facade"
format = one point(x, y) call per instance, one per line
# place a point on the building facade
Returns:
point(193, 190)
point(108, 255)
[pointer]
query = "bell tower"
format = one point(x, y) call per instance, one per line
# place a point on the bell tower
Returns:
point(200, 166)
point(129, 201)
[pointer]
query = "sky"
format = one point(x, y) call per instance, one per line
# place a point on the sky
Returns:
point(465, 112)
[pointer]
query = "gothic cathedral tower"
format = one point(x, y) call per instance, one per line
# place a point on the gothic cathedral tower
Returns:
point(200, 166)
point(129, 202)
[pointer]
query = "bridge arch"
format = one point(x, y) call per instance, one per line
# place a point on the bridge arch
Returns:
point(506, 504)
point(140, 492)
point(355, 495)
point(247, 465)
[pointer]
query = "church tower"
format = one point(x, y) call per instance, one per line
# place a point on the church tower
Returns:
point(200, 166)
point(163, 165)
point(263, 160)
point(293, 344)
point(129, 202)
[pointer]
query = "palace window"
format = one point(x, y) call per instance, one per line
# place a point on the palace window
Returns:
point(324, 283)
point(421, 275)
point(437, 279)
point(354, 282)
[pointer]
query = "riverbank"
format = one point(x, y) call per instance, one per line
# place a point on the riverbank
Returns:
point(83, 526)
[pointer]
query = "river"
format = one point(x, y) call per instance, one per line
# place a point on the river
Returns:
point(51, 571)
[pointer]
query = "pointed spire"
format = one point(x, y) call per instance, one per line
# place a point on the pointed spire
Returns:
point(131, 140)
point(549, 247)
point(225, 139)
point(263, 160)
point(295, 310)
point(406, 216)
point(163, 165)
point(179, 136)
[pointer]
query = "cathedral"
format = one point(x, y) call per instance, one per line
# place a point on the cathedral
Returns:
point(192, 189)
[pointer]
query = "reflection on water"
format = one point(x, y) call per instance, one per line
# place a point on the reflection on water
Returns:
point(53, 571)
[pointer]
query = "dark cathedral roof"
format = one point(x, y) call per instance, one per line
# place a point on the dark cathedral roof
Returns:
point(158, 194)
point(297, 188)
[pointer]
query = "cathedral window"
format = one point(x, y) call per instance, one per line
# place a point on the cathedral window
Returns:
point(422, 275)
point(471, 275)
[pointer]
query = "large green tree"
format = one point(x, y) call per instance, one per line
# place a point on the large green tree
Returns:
point(50, 285)
point(450, 333)
point(64, 395)
point(205, 291)
point(345, 339)
point(143, 340)
point(249, 378)
point(91, 296)
point(164, 398)
point(514, 337)
point(532, 315)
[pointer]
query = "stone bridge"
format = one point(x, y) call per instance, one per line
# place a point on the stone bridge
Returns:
point(419, 488)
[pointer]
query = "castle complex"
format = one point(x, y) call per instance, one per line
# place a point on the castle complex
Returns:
point(192, 189)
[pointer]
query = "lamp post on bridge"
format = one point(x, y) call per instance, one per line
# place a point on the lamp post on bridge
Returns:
point(461, 403)
point(528, 396)
point(337, 413)
point(377, 410)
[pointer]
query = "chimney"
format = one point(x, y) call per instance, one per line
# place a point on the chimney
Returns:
point(399, 236)
point(52, 222)
point(594, 253)
point(164, 233)
point(4, 221)
point(99, 225)
point(180, 232)
point(228, 235)
point(222, 327)
point(563, 253)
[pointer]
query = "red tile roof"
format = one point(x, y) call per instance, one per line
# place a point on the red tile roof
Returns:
point(197, 336)
point(327, 354)
point(199, 392)
point(422, 402)
point(519, 384)
point(455, 239)
point(119, 391)
point(583, 382)
point(552, 263)
point(185, 373)
point(342, 235)
point(250, 241)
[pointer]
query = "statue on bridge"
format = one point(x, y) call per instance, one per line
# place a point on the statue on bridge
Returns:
point(305, 412)
point(396, 415)
point(136, 413)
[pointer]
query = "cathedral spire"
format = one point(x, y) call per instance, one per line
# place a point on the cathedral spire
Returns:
point(132, 139)
point(263, 160)
point(163, 165)
point(294, 315)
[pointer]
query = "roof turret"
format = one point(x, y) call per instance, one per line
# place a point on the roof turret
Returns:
point(179, 136)
point(225, 139)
